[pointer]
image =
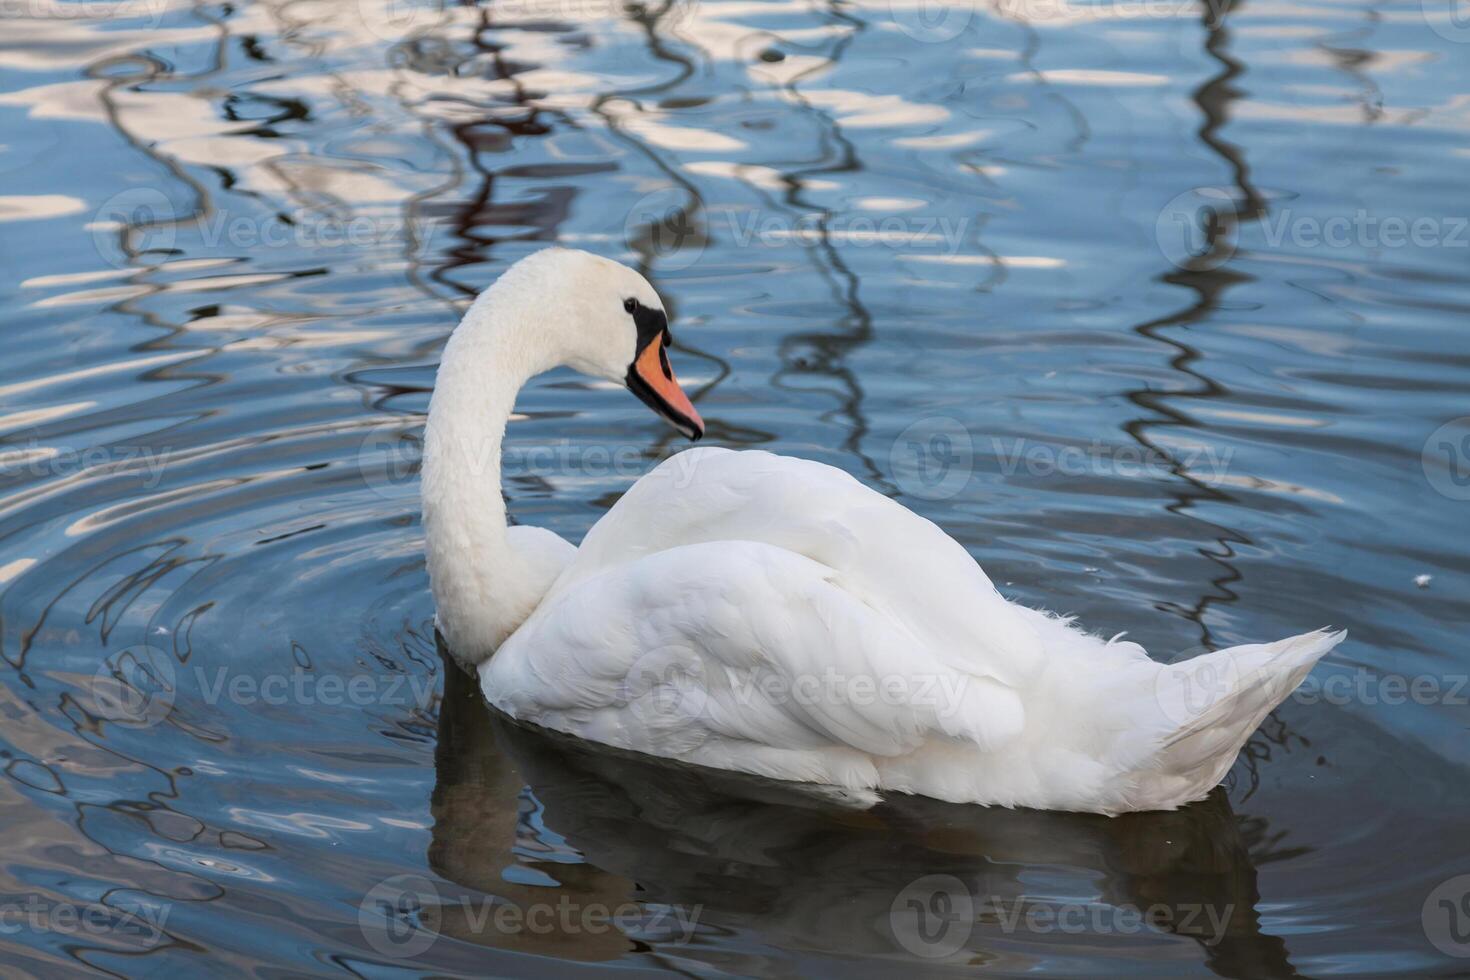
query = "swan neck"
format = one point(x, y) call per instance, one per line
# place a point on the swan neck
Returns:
point(480, 583)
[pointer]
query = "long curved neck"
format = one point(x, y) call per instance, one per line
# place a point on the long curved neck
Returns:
point(482, 587)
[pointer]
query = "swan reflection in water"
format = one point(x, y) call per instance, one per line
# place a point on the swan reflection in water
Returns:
point(690, 860)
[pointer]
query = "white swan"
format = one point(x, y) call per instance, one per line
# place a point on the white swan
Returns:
point(774, 616)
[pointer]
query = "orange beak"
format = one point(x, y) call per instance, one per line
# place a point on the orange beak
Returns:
point(652, 379)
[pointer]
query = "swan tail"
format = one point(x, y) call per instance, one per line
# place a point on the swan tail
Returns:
point(1212, 704)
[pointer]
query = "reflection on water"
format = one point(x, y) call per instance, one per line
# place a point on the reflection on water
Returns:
point(1157, 308)
point(743, 857)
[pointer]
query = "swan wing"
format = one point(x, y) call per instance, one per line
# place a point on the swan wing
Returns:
point(900, 564)
point(741, 655)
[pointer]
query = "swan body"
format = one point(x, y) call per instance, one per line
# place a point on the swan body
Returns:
point(773, 616)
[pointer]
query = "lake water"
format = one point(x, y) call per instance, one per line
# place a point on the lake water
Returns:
point(1160, 308)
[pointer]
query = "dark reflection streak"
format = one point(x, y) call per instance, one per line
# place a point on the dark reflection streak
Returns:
point(1214, 98)
point(134, 306)
point(411, 242)
point(1354, 62)
point(856, 329)
point(469, 212)
point(649, 21)
point(1027, 57)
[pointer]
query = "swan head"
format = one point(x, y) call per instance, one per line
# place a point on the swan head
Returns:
point(600, 318)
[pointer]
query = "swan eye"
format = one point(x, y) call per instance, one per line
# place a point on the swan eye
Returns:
point(630, 305)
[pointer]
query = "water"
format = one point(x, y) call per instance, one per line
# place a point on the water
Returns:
point(1159, 308)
